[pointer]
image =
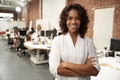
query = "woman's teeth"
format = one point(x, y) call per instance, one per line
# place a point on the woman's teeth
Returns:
point(73, 26)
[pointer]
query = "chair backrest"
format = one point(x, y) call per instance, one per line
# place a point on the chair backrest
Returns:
point(23, 32)
point(21, 43)
point(8, 35)
point(10, 40)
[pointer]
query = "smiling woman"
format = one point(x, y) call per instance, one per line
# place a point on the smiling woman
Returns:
point(73, 55)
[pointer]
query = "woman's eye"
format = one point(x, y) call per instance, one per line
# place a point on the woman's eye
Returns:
point(77, 18)
point(69, 18)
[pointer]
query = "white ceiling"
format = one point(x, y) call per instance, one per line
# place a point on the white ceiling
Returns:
point(10, 4)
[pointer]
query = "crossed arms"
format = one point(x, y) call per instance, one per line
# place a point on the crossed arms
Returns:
point(74, 70)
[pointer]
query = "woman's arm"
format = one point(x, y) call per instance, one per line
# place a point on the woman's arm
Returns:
point(86, 69)
point(66, 72)
point(25, 39)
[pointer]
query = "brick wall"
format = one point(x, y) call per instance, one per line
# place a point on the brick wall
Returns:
point(31, 12)
point(91, 4)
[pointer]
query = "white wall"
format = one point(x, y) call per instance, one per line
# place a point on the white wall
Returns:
point(51, 11)
point(10, 24)
point(103, 24)
point(44, 24)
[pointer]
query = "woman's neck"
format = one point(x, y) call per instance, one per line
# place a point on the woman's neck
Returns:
point(73, 34)
point(74, 37)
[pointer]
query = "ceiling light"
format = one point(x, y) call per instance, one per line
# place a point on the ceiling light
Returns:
point(18, 9)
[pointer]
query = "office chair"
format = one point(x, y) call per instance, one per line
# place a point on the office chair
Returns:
point(10, 41)
point(22, 47)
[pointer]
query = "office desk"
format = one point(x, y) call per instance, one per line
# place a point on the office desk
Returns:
point(37, 58)
point(110, 69)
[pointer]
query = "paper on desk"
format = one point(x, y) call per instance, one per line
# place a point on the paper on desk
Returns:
point(110, 62)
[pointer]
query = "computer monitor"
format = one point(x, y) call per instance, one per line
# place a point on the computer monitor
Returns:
point(42, 33)
point(47, 32)
point(115, 45)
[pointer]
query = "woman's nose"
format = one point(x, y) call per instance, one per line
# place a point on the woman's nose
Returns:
point(73, 21)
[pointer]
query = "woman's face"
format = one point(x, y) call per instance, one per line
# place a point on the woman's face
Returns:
point(39, 28)
point(73, 21)
point(15, 30)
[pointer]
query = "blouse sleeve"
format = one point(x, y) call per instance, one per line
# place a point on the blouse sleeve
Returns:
point(54, 57)
point(92, 53)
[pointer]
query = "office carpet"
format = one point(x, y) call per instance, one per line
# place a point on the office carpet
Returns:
point(13, 67)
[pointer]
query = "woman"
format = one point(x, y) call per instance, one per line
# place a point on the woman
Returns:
point(39, 30)
point(16, 37)
point(37, 34)
point(73, 55)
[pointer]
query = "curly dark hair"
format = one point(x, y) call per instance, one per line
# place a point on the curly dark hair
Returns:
point(81, 13)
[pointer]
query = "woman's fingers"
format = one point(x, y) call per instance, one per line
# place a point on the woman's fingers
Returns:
point(91, 60)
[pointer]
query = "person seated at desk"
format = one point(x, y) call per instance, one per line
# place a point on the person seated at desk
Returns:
point(16, 35)
point(7, 31)
point(37, 34)
point(31, 30)
point(38, 30)
point(28, 36)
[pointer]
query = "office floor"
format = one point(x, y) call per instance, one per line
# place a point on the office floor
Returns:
point(13, 67)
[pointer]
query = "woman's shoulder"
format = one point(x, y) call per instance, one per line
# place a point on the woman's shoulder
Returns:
point(88, 39)
point(60, 37)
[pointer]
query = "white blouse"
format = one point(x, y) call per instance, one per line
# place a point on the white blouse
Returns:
point(64, 49)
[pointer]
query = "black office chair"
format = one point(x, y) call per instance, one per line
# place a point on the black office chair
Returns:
point(54, 32)
point(22, 47)
point(10, 41)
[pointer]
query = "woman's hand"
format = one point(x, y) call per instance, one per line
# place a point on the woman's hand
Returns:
point(63, 64)
point(91, 61)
